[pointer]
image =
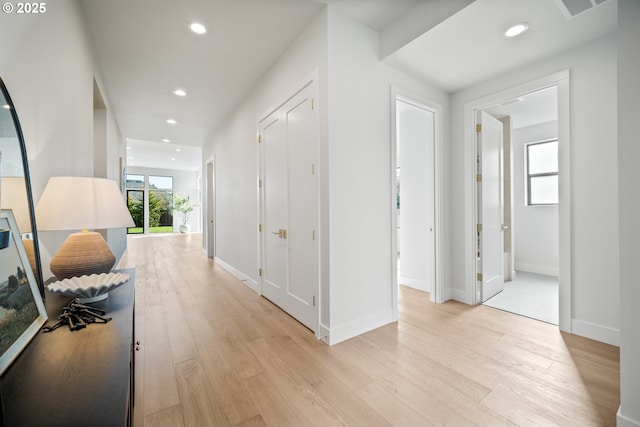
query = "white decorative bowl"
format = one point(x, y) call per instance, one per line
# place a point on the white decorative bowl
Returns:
point(92, 288)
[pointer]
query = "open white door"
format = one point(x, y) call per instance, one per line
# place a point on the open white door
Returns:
point(289, 138)
point(211, 209)
point(490, 206)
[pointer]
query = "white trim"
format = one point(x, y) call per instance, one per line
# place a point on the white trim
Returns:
point(252, 284)
point(206, 202)
point(457, 295)
point(596, 332)
point(536, 268)
point(622, 421)
point(561, 80)
point(310, 80)
point(423, 285)
point(323, 333)
point(357, 327)
point(437, 296)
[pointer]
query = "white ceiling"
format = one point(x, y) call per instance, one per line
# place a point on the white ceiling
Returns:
point(145, 51)
point(470, 46)
point(528, 110)
point(151, 154)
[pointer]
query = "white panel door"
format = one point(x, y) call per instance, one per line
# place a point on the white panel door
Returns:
point(274, 208)
point(490, 215)
point(211, 209)
point(290, 259)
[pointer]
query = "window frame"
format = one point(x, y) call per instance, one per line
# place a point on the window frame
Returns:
point(529, 176)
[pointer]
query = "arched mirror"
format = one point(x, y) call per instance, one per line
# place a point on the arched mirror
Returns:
point(15, 185)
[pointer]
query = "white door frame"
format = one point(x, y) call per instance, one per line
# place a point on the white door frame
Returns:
point(562, 81)
point(311, 81)
point(406, 96)
point(210, 224)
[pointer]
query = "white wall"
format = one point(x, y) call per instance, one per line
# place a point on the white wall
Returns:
point(236, 156)
point(628, 155)
point(185, 183)
point(359, 173)
point(47, 64)
point(354, 170)
point(594, 209)
point(536, 227)
point(415, 141)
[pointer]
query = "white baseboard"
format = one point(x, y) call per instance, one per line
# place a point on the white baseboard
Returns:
point(357, 327)
point(537, 269)
point(422, 285)
point(447, 294)
point(323, 333)
point(623, 421)
point(252, 284)
point(459, 295)
point(596, 332)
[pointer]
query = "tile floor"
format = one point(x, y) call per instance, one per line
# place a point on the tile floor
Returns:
point(531, 295)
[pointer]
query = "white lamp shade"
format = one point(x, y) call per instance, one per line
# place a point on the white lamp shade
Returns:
point(82, 203)
point(14, 197)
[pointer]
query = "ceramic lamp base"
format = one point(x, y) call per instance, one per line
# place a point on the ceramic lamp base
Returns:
point(82, 254)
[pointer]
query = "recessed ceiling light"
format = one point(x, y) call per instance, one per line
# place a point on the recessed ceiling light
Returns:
point(198, 28)
point(178, 150)
point(171, 121)
point(173, 158)
point(166, 140)
point(128, 148)
point(7, 106)
point(180, 92)
point(517, 29)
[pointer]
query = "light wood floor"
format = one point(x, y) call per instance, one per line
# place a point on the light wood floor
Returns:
point(214, 353)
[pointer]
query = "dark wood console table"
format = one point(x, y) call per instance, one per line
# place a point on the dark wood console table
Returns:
point(80, 378)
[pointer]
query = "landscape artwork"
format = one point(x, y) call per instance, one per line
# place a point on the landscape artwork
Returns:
point(22, 312)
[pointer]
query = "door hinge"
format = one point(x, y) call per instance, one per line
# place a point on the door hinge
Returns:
point(479, 227)
point(479, 177)
point(259, 183)
point(312, 103)
point(260, 272)
point(259, 138)
point(313, 234)
point(314, 300)
point(313, 169)
point(260, 228)
point(479, 277)
point(478, 128)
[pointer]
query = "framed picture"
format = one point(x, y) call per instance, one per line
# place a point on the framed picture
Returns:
point(22, 312)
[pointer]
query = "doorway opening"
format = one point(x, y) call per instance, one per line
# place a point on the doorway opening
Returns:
point(530, 205)
point(210, 229)
point(149, 199)
point(535, 219)
point(415, 194)
point(288, 143)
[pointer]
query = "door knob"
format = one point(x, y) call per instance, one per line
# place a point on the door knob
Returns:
point(282, 233)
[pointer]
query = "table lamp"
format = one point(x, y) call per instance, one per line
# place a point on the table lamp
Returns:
point(82, 203)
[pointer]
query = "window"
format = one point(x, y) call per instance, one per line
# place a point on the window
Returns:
point(542, 173)
point(152, 201)
point(159, 204)
point(135, 181)
point(135, 203)
point(160, 182)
